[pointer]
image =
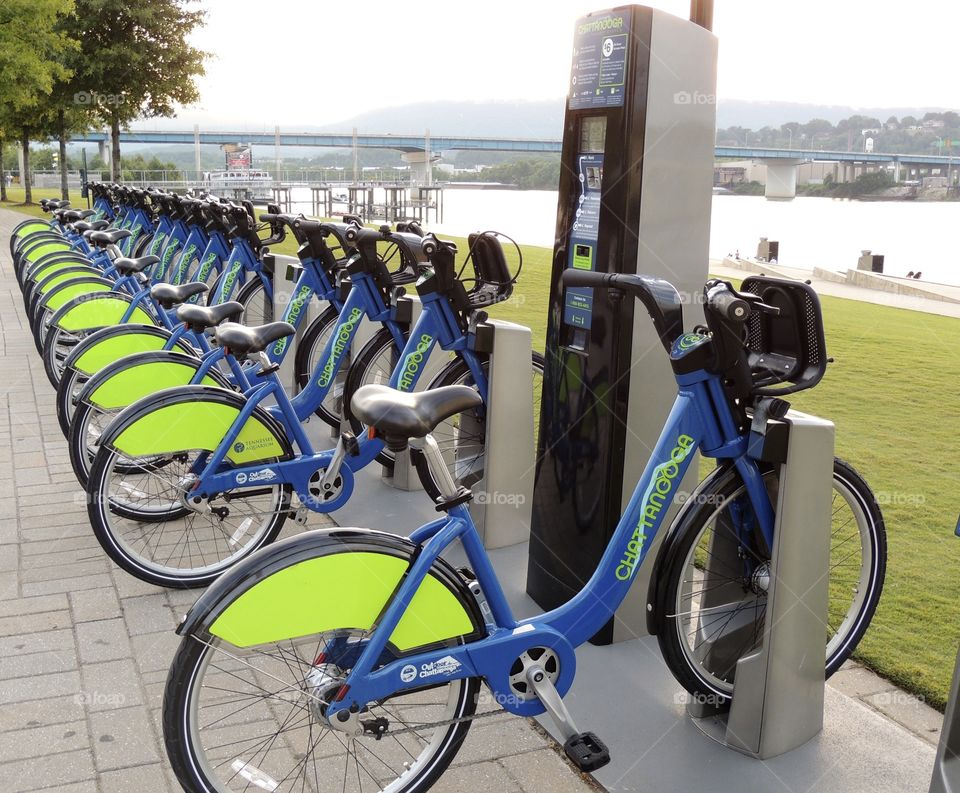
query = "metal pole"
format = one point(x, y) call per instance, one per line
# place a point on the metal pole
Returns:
point(355, 163)
point(276, 149)
point(428, 163)
point(196, 148)
point(701, 12)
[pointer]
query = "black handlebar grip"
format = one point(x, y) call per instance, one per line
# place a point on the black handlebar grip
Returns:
point(573, 277)
point(266, 217)
point(727, 304)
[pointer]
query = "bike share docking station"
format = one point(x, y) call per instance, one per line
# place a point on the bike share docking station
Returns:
point(503, 489)
point(946, 769)
point(635, 197)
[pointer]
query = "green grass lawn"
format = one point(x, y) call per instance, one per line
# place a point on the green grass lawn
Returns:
point(896, 428)
point(15, 196)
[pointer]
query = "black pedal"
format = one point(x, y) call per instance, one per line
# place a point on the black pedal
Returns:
point(586, 751)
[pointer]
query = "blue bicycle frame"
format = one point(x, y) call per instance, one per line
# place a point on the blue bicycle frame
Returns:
point(700, 420)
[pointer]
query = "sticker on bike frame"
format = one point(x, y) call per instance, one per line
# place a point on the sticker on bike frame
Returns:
point(266, 475)
point(657, 495)
point(340, 342)
point(442, 667)
point(411, 364)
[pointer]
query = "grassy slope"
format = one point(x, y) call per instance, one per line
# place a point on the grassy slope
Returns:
point(15, 200)
point(899, 430)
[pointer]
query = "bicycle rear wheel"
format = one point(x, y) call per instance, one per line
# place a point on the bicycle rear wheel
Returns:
point(242, 719)
point(713, 603)
point(139, 518)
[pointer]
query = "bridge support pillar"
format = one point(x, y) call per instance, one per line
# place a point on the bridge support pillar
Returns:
point(104, 151)
point(781, 179)
point(421, 164)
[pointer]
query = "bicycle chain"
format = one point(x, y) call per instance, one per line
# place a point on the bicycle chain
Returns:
point(448, 722)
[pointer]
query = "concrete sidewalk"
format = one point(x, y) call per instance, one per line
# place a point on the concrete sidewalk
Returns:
point(84, 648)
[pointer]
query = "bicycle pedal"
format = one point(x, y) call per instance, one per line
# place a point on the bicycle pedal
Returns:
point(586, 751)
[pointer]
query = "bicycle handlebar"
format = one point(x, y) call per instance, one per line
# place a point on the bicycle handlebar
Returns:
point(727, 303)
point(659, 297)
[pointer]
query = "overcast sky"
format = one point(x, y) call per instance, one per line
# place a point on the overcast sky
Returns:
point(297, 62)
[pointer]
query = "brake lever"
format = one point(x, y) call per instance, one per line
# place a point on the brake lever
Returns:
point(773, 311)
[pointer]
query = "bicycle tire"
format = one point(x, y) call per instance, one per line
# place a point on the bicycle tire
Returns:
point(672, 633)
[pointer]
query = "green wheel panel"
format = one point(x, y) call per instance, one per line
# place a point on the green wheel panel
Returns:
point(99, 313)
point(341, 590)
point(116, 347)
point(197, 425)
point(135, 382)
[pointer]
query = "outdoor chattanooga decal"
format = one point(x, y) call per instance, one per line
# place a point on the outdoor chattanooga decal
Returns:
point(657, 495)
point(293, 313)
point(411, 364)
point(340, 342)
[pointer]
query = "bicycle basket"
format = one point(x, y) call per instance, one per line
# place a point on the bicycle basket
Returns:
point(492, 281)
point(786, 353)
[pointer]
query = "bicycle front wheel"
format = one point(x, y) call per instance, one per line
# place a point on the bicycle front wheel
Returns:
point(714, 597)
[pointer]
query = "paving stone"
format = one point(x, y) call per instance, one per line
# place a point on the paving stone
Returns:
point(22, 689)
point(489, 776)
point(37, 605)
point(501, 737)
point(910, 711)
point(111, 685)
point(88, 605)
point(153, 652)
point(530, 770)
point(55, 770)
point(66, 584)
point(104, 640)
point(47, 621)
point(148, 614)
point(37, 713)
point(144, 778)
point(858, 682)
point(29, 664)
point(122, 738)
point(36, 642)
point(41, 741)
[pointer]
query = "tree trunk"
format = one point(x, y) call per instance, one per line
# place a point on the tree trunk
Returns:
point(3, 175)
point(115, 147)
point(64, 187)
point(25, 174)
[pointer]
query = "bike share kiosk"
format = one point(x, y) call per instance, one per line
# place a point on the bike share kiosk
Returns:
point(946, 769)
point(635, 198)
point(635, 195)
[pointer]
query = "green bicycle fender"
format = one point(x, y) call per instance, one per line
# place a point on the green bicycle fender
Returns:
point(30, 228)
point(57, 279)
point(197, 425)
point(52, 268)
point(100, 312)
point(114, 348)
point(68, 293)
point(342, 590)
point(42, 250)
point(135, 382)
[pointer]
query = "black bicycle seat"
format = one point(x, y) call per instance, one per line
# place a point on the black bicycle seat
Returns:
point(411, 415)
point(241, 340)
point(168, 295)
point(111, 237)
point(130, 266)
point(199, 318)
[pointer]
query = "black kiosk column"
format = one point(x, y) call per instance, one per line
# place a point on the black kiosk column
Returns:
point(635, 192)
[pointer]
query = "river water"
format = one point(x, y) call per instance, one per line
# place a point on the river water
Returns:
point(812, 232)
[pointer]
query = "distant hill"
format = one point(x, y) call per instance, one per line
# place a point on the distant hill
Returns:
point(755, 115)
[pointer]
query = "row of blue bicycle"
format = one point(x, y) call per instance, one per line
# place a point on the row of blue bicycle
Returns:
point(353, 659)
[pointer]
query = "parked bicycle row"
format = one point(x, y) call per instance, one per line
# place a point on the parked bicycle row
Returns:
point(193, 454)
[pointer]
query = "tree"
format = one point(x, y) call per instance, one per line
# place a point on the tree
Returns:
point(135, 60)
point(31, 60)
